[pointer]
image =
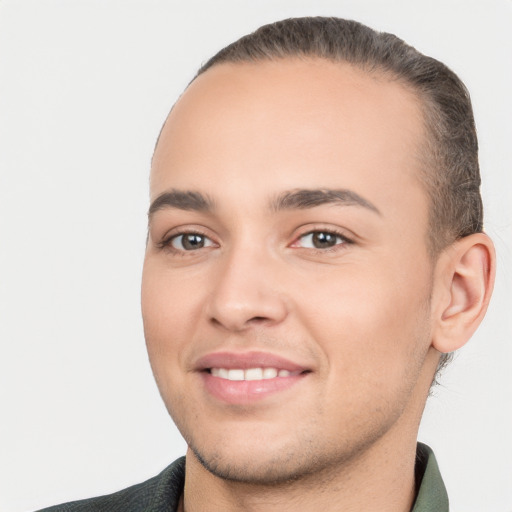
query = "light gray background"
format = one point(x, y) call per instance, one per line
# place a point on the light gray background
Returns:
point(84, 88)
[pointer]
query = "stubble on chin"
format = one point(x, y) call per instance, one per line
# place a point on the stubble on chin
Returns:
point(303, 460)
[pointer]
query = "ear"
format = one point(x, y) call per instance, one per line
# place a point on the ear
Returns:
point(463, 284)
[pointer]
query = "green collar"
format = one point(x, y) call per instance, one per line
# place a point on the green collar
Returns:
point(432, 496)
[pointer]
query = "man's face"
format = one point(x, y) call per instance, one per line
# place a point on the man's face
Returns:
point(297, 263)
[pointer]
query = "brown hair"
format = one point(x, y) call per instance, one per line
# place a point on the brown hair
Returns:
point(451, 175)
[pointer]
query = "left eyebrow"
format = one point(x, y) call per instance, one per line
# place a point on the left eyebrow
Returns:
point(310, 198)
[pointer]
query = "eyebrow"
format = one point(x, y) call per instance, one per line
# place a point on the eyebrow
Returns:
point(182, 200)
point(309, 198)
point(299, 199)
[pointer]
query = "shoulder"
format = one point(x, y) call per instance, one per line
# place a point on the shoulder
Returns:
point(158, 494)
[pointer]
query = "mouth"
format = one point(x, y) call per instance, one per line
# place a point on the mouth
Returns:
point(237, 374)
point(235, 378)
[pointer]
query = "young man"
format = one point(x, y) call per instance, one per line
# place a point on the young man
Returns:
point(315, 251)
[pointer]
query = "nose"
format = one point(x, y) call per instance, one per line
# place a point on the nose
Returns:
point(246, 292)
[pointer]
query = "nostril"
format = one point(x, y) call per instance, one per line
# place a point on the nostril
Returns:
point(257, 320)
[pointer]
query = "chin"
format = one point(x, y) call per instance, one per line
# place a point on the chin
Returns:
point(259, 468)
point(284, 459)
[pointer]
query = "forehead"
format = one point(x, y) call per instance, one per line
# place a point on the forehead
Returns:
point(292, 123)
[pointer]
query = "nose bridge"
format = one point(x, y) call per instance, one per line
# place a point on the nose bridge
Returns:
point(246, 289)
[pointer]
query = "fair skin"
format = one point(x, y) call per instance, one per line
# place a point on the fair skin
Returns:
point(253, 270)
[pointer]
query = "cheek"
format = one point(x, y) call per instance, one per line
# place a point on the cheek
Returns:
point(371, 326)
point(169, 311)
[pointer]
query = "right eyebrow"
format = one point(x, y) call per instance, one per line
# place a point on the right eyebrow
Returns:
point(182, 200)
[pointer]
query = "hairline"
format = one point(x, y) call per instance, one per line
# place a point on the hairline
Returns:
point(435, 240)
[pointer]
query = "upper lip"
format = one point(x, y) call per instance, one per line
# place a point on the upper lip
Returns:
point(245, 360)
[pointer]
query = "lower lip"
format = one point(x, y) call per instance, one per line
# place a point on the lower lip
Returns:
point(247, 391)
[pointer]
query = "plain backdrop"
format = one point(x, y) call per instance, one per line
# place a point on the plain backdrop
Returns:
point(84, 89)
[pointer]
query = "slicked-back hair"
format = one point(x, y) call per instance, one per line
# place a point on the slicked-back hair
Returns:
point(451, 173)
point(449, 155)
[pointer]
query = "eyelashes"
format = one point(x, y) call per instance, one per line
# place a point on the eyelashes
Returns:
point(318, 241)
point(186, 241)
point(321, 240)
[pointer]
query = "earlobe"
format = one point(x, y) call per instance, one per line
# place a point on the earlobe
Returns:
point(466, 277)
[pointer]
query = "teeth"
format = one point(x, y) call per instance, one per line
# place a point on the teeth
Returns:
point(269, 373)
point(220, 372)
point(249, 374)
point(236, 375)
point(254, 374)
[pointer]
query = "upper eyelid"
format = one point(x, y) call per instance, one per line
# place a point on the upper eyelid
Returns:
point(312, 228)
point(329, 231)
point(184, 230)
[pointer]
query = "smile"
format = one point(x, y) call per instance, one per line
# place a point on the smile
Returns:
point(238, 374)
point(248, 377)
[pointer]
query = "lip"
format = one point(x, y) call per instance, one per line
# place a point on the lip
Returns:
point(245, 360)
point(245, 392)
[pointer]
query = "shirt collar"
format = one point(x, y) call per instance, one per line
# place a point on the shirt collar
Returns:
point(431, 496)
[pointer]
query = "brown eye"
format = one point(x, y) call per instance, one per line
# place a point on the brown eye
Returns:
point(190, 242)
point(321, 240)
